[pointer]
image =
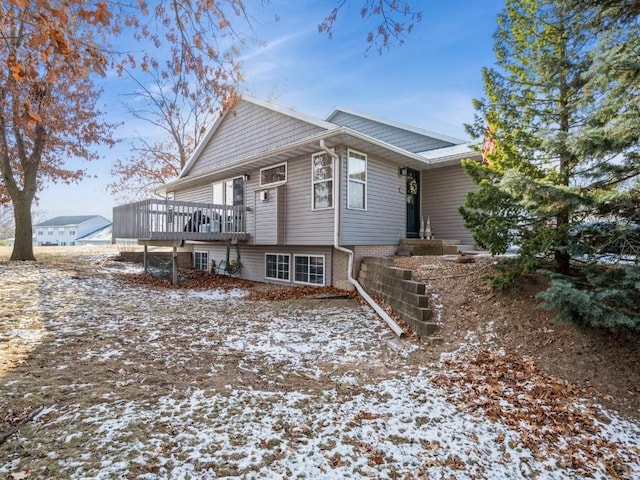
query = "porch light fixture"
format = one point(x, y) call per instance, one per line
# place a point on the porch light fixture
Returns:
point(403, 171)
point(245, 178)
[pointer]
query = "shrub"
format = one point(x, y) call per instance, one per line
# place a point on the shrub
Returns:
point(600, 296)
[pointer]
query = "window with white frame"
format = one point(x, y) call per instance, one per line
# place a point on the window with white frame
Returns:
point(275, 175)
point(277, 266)
point(229, 192)
point(201, 260)
point(309, 269)
point(357, 180)
point(322, 181)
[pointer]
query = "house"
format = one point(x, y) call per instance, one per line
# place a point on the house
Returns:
point(275, 195)
point(69, 230)
point(103, 236)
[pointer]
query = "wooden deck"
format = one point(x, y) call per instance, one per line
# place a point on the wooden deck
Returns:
point(171, 220)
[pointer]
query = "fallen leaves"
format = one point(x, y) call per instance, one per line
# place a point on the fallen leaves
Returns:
point(546, 411)
point(289, 293)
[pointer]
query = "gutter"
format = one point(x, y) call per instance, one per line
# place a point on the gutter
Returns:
point(336, 244)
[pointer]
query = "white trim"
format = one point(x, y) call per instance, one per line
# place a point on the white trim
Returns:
point(224, 190)
point(288, 112)
point(314, 182)
point(324, 269)
point(201, 252)
point(392, 123)
point(366, 178)
point(288, 255)
point(274, 184)
point(407, 158)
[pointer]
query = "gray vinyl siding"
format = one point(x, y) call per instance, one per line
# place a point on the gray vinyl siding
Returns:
point(289, 206)
point(199, 194)
point(411, 141)
point(270, 215)
point(443, 191)
point(252, 259)
point(304, 226)
point(384, 220)
point(250, 130)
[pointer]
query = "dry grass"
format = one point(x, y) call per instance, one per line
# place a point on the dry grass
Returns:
point(142, 381)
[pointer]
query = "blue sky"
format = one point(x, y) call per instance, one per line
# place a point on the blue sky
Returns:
point(428, 82)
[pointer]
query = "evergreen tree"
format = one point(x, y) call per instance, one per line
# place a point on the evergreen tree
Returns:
point(561, 117)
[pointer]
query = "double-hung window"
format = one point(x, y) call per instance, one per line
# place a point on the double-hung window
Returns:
point(322, 181)
point(357, 180)
point(277, 266)
point(309, 269)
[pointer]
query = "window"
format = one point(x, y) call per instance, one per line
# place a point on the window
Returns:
point(357, 180)
point(50, 232)
point(273, 175)
point(201, 260)
point(322, 181)
point(72, 232)
point(277, 266)
point(309, 269)
point(226, 194)
point(40, 232)
point(229, 192)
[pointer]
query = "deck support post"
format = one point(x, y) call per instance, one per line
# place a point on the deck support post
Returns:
point(144, 260)
point(174, 278)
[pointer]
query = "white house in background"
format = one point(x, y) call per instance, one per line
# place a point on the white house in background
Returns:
point(69, 230)
point(101, 237)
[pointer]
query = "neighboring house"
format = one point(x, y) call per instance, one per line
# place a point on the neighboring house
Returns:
point(275, 195)
point(103, 236)
point(68, 230)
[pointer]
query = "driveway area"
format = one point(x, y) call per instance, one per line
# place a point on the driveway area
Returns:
point(101, 378)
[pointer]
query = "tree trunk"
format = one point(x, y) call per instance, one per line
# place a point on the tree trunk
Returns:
point(563, 262)
point(23, 244)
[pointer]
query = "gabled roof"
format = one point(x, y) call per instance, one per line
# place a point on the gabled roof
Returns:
point(308, 146)
point(391, 123)
point(332, 134)
point(103, 233)
point(71, 220)
point(276, 108)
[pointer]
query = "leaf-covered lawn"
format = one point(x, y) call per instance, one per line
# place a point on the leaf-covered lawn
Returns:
point(145, 382)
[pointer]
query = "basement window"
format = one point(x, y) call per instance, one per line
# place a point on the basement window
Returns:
point(309, 269)
point(277, 266)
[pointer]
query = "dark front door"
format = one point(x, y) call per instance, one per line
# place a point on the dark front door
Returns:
point(413, 203)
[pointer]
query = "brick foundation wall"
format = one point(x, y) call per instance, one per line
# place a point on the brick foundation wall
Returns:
point(362, 251)
point(339, 267)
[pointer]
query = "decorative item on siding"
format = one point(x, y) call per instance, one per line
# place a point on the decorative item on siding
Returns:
point(412, 189)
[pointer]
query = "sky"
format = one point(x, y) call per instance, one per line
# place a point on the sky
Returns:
point(428, 82)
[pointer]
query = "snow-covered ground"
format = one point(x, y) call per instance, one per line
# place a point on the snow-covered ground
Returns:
point(151, 383)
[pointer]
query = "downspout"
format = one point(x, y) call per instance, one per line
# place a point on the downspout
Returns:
point(336, 244)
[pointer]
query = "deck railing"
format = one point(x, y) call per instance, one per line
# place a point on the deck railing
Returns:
point(157, 219)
